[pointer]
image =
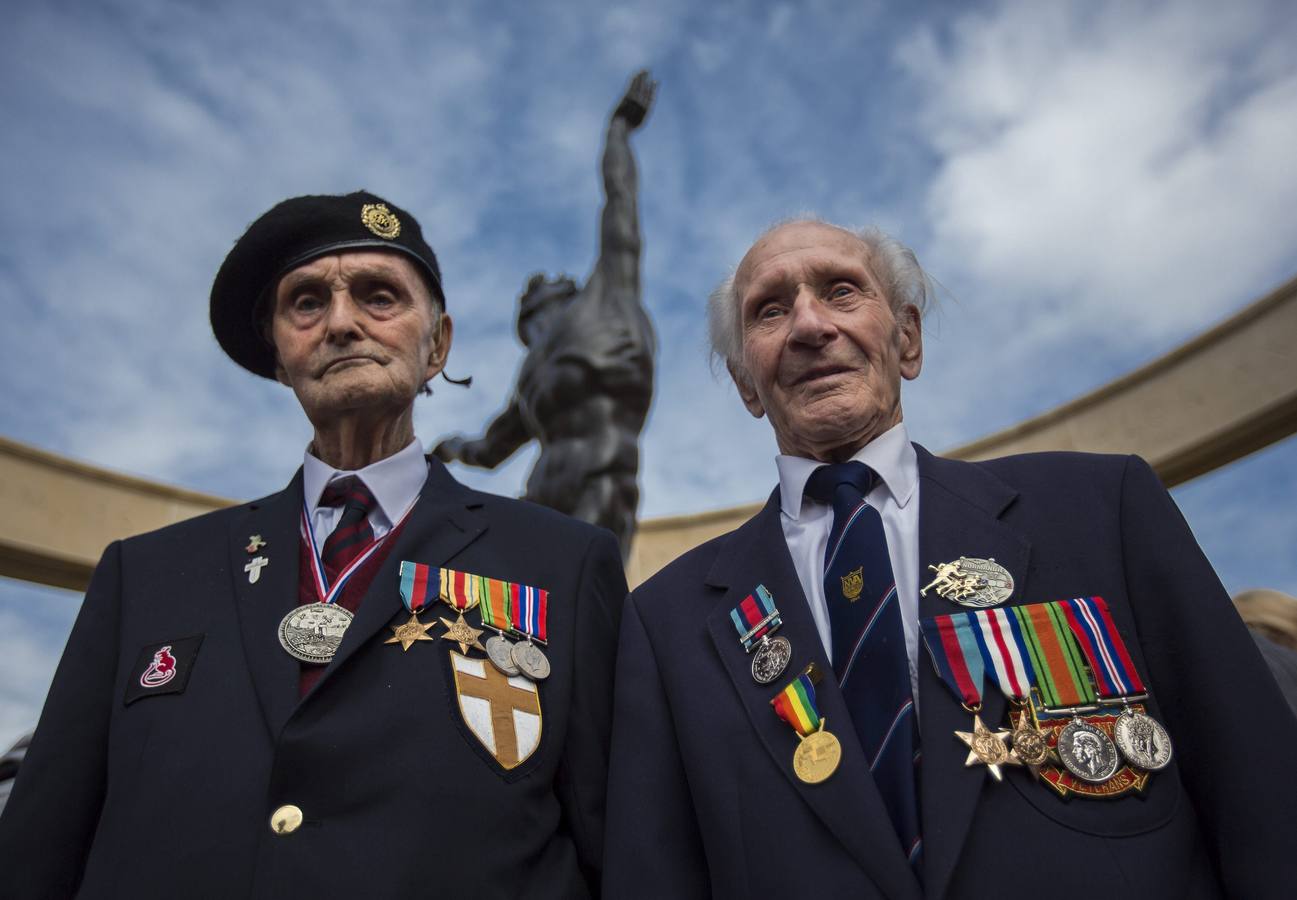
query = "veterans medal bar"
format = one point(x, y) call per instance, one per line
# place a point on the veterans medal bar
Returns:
point(756, 619)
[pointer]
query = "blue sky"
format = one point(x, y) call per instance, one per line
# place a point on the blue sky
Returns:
point(1091, 182)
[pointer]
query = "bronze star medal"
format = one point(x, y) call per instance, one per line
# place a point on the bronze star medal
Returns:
point(407, 634)
point(990, 748)
point(462, 633)
point(1030, 744)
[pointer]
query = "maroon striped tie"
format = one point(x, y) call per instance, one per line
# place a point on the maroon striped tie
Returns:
point(352, 535)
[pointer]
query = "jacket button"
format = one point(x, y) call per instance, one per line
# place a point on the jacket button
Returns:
point(286, 819)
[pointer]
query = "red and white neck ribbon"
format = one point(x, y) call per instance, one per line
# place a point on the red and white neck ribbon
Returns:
point(328, 593)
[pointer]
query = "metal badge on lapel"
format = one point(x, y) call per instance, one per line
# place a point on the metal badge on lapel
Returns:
point(255, 543)
point(254, 567)
point(502, 712)
point(756, 619)
point(971, 582)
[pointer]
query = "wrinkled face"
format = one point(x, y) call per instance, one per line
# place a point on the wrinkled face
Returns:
point(357, 331)
point(823, 351)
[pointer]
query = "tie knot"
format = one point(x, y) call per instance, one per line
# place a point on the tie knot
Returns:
point(350, 493)
point(824, 481)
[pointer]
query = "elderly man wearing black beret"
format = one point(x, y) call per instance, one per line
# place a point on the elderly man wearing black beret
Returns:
point(376, 682)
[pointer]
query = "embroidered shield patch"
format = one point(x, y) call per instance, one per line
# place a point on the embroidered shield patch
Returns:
point(502, 712)
point(852, 583)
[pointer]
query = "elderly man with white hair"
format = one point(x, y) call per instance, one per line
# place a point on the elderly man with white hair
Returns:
point(909, 676)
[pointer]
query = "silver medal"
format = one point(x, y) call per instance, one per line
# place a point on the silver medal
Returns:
point(1088, 752)
point(1142, 740)
point(500, 652)
point(531, 660)
point(770, 659)
point(312, 633)
point(979, 583)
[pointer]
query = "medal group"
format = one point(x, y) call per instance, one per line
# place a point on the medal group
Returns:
point(1076, 719)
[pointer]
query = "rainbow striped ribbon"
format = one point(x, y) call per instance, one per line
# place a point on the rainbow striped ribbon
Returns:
point(417, 585)
point(952, 642)
point(999, 635)
point(795, 704)
point(756, 615)
point(497, 603)
point(459, 589)
point(531, 604)
point(1059, 667)
point(1097, 634)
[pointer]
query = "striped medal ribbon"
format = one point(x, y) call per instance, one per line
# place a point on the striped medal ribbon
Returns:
point(818, 750)
point(496, 610)
point(756, 619)
point(530, 607)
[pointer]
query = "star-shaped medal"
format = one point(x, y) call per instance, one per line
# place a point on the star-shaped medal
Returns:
point(462, 633)
point(407, 634)
point(990, 748)
point(1030, 744)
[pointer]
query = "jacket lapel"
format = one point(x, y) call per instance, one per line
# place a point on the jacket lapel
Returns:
point(446, 518)
point(261, 606)
point(959, 515)
point(848, 803)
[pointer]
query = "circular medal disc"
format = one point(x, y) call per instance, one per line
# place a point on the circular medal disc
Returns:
point(816, 757)
point(500, 652)
point(312, 633)
point(1088, 752)
point(770, 659)
point(531, 660)
point(992, 583)
point(1142, 740)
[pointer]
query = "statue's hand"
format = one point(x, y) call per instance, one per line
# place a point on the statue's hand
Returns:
point(635, 104)
point(449, 450)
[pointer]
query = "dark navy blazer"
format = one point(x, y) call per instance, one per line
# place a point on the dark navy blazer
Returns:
point(170, 796)
point(702, 795)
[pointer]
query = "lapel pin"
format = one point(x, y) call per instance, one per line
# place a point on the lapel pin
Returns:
point(254, 567)
point(255, 543)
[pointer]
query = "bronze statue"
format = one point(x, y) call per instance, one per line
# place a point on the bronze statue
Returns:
point(586, 383)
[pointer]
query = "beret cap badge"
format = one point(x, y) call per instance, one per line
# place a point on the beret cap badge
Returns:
point(380, 220)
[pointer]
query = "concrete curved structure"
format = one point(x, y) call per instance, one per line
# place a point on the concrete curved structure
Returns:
point(1225, 393)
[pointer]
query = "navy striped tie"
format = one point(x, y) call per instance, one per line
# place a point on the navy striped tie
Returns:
point(869, 656)
point(353, 534)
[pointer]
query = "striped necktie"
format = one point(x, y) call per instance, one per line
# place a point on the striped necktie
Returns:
point(869, 657)
point(353, 534)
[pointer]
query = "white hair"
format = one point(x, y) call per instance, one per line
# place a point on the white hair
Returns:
point(894, 265)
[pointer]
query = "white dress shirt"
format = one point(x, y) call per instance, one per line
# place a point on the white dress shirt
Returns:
point(895, 495)
point(395, 483)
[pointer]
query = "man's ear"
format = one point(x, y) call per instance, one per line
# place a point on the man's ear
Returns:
point(747, 393)
point(909, 325)
point(442, 337)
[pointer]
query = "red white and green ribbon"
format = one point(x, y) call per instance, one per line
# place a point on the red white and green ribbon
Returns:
point(795, 704)
point(1092, 625)
point(1055, 656)
point(952, 642)
point(420, 585)
point(755, 617)
point(531, 606)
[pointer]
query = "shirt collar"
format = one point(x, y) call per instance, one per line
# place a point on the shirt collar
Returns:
point(890, 455)
point(394, 481)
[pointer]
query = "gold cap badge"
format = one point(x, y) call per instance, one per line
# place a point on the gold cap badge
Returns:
point(380, 220)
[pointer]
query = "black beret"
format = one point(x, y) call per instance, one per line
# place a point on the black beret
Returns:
point(294, 232)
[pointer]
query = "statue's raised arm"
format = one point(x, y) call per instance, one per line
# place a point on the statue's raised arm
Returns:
point(619, 235)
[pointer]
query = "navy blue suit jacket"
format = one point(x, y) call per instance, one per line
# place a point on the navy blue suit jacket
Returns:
point(702, 795)
point(171, 794)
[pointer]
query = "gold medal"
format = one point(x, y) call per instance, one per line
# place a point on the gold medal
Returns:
point(817, 756)
point(408, 633)
point(462, 633)
point(987, 747)
point(1030, 744)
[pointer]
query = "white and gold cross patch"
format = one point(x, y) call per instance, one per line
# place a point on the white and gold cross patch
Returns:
point(503, 712)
